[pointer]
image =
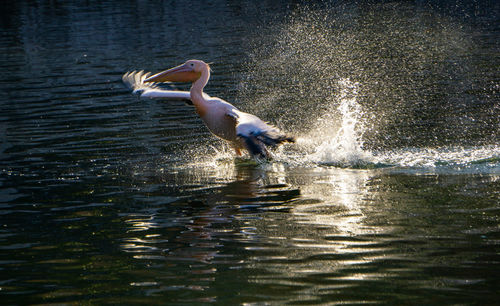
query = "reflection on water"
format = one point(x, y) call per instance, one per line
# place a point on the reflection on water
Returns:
point(318, 234)
point(390, 196)
point(347, 189)
point(358, 230)
point(268, 231)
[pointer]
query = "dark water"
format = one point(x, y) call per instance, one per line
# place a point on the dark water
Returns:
point(391, 194)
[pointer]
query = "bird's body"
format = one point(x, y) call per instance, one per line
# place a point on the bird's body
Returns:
point(216, 118)
point(240, 129)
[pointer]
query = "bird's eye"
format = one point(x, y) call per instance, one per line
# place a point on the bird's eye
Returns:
point(192, 65)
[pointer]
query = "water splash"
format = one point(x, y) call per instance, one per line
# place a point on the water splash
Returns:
point(345, 147)
point(392, 86)
point(336, 140)
point(384, 85)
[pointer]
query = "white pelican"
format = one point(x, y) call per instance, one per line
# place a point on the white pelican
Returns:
point(240, 129)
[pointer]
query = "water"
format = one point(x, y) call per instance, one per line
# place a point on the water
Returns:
point(389, 196)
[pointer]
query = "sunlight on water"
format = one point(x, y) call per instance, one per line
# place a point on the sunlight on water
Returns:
point(216, 160)
point(348, 189)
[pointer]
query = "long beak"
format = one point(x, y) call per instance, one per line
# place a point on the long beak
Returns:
point(181, 73)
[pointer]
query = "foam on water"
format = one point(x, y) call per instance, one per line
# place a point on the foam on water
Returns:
point(447, 157)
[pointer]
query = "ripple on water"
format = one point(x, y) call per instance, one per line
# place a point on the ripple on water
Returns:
point(390, 194)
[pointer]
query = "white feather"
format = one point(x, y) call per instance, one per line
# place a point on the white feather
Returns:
point(134, 80)
point(248, 124)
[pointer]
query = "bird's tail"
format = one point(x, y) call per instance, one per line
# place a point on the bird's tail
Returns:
point(256, 142)
point(274, 139)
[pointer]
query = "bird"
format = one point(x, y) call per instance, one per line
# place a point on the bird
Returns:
point(242, 130)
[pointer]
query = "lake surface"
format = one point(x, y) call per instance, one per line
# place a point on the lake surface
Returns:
point(390, 195)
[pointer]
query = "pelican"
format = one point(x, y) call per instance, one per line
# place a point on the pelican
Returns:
point(240, 129)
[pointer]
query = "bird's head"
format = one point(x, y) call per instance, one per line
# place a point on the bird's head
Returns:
point(190, 71)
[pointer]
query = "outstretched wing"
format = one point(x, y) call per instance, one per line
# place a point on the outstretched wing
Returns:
point(257, 134)
point(134, 80)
